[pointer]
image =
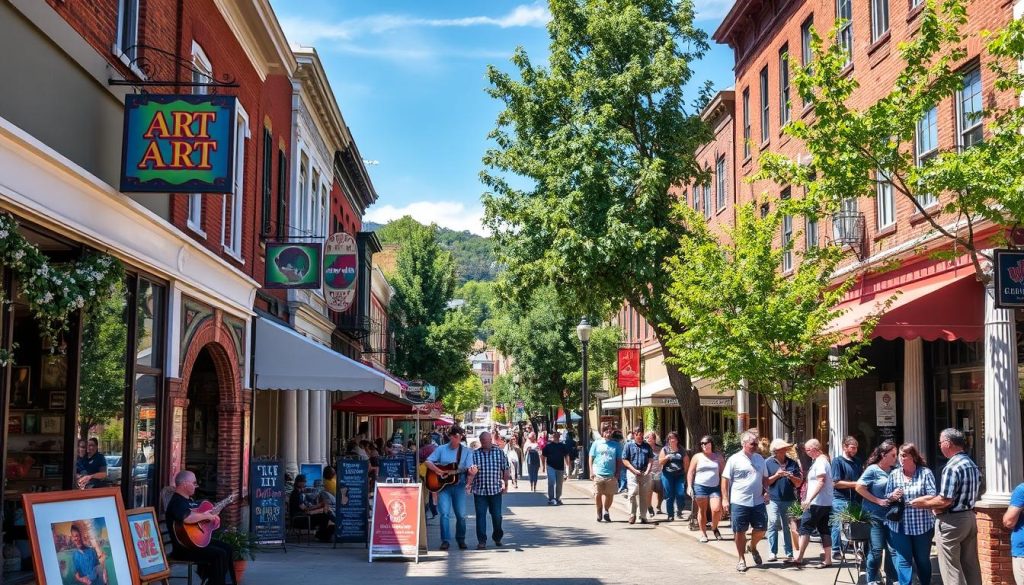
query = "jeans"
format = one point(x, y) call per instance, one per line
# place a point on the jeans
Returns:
point(838, 506)
point(485, 505)
point(877, 546)
point(452, 500)
point(674, 493)
point(622, 480)
point(912, 553)
point(555, 479)
point(778, 519)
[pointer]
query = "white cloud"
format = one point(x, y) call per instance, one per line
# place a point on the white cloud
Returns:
point(449, 214)
point(712, 9)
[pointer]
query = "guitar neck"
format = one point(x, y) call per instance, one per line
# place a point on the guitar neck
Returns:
point(220, 505)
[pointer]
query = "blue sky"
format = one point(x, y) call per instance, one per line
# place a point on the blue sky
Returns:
point(410, 76)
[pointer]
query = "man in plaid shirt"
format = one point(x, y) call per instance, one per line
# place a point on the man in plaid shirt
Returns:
point(487, 485)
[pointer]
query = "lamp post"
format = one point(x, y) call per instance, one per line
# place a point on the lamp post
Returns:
point(583, 332)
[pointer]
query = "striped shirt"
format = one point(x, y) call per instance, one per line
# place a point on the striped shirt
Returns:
point(490, 477)
point(961, 481)
point(915, 520)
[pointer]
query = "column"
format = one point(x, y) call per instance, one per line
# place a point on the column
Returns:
point(742, 409)
point(302, 426)
point(837, 418)
point(286, 417)
point(325, 426)
point(315, 431)
point(913, 392)
point(1002, 403)
point(778, 426)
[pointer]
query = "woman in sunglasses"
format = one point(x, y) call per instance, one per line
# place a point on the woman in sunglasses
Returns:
point(704, 479)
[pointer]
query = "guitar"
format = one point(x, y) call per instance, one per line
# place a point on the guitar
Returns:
point(435, 482)
point(196, 536)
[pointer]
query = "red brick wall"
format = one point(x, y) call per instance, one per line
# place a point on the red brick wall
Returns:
point(342, 212)
point(994, 547)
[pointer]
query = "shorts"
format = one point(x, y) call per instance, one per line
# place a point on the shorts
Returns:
point(816, 518)
point(656, 485)
point(747, 517)
point(605, 485)
point(707, 491)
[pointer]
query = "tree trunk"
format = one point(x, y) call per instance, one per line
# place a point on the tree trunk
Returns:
point(689, 401)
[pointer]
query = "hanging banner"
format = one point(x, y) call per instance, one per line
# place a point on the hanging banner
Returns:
point(178, 143)
point(395, 531)
point(1009, 275)
point(629, 367)
point(292, 265)
point(341, 267)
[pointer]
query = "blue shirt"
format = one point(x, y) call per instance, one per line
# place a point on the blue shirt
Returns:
point(638, 455)
point(86, 561)
point(877, 482)
point(844, 469)
point(445, 455)
point(606, 456)
point(1017, 536)
point(782, 490)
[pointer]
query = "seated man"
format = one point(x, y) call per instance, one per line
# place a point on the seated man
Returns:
point(319, 514)
point(214, 559)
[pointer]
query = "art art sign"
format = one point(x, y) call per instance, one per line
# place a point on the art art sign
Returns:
point(178, 143)
point(292, 265)
point(1009, 277)
point(341, 268)
point(629, 367)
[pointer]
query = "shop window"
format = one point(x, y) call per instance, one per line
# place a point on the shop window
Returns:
point(143, 434)
point(127, 29)
point(765, 112)
point(233, 203)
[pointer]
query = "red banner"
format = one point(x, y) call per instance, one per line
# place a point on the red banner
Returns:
point(629, 367)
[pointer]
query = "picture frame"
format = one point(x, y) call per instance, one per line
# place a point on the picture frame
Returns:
point(14, 423)
point(51, 425)
point(58, 399)
point(21, 386)
point(31, 424)
point(92, 523)
point(150, 555)
point(53, 372)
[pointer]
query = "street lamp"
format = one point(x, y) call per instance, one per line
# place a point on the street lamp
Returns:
point(583, 332)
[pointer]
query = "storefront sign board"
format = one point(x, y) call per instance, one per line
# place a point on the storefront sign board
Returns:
point(1009, 277)
point(293, 265)
point(341, 269)
point(395, 531)
point(351, 501)
point(268, 516)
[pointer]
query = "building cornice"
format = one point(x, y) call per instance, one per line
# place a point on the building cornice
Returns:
point(257, 29)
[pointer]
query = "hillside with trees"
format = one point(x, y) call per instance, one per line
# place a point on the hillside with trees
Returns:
point(474, 255)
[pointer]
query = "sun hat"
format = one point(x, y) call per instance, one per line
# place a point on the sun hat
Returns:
point(779, 444)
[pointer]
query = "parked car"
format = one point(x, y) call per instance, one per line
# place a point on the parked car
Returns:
point(113, 468)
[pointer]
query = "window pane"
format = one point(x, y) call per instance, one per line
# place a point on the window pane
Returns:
point(805, 43)
point(764, 105)
point(879, 18)
point(884, 199)
point(720, 172)
point(746, 123)
point(811, 234)
point(971, 109)
point(148, 324)
point(927, 134)
point(784, 86)
point(143, 464)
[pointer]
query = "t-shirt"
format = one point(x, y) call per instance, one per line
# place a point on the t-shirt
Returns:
point(877, 482)
point(783, 489)
point(821, 467)
point(178, 509)
point(555, 454)
point(844, 469)
point(1017, 536)
point(638, 455)
point(674, 464)
point(445, 455)
point(606, 456)
point(746, 478)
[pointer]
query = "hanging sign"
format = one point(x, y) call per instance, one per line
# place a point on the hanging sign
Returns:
point(267, 518)
point(1009, 276)
point(341, 267)
point(292, 265)
point(629, 367)
point(179, 143)
point(351, 501)
point(395, 531)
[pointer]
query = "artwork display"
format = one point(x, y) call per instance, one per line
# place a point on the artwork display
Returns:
point(146, 544)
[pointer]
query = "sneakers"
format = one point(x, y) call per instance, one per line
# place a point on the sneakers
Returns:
point(703, 539)
point(462, 546)
point(558, 502)
point(632, 519)
point(837, 556)
point(741, 567)
point(668, 517)
point(650, 510)
point(772, 558)
point(607, 518)
point(444, 545)
point(718, 535)
point(551, 502)
point(643, 520)
point(481, 546)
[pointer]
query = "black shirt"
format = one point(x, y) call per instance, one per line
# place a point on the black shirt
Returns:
point(178, 509)
point(295, 502)
point(555, 454)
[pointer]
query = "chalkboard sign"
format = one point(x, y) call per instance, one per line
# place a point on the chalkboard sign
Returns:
point(410, 466)
point(392, 468)
point(267, 523)
point(352, 501)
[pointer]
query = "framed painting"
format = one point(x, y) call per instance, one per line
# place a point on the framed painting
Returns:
point(58, 399)
point(146, 544)
point(21, 386)
point(51, 425)
point(80, 536)
point(53, 373)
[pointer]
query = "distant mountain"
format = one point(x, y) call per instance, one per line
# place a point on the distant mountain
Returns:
point(474, 255)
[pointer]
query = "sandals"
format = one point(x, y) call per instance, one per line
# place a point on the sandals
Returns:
point(718, 534)
point(741, 567)
point(794, 562)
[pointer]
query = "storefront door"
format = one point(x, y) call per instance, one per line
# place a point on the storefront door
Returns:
point(202, 425)
point(969, 416)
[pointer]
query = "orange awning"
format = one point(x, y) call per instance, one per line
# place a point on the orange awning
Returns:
point(950, 307)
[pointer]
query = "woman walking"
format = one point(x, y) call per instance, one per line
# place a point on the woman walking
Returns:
point(674, 462)
point(657, 490)
point(705, 480)
point(514, 455)
point(531, 450)
point(910, 535)
point(873, 487)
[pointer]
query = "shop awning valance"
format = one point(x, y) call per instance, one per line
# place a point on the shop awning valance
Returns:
point(376, 404)
point(949, 307)
point(285, 360)
point(659, 393)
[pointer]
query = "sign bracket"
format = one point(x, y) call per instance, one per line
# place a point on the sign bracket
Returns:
point(143, 59)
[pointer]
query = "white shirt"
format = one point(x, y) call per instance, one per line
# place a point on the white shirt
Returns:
point(746, 479)
point(820, 467)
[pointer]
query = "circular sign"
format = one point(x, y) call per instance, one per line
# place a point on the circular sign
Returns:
point(341, 270)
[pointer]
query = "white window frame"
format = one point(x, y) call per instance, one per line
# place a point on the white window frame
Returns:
point(885, 203)
point(766, 114)
point(927, 125)
point(746, 123)
point(785, 108)
point(962, 127)
point(302, 164)
point(233, 247)
point(707, 200)
point(879, 19)
point(720, 183)
point(787, 235)
point(845, 36)
point(315, 176)
point(811, 233)
point(806, 51)
point(201, 62)
point(121, 43)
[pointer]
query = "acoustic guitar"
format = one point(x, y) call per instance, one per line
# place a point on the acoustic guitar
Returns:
point(435, 482)
point(198, 535)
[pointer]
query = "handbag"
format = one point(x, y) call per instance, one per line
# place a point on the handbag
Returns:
point(895, 511)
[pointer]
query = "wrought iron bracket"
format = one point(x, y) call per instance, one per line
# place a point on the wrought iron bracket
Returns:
point(144, 58)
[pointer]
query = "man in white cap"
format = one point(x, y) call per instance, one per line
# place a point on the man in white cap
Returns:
point(784, 482)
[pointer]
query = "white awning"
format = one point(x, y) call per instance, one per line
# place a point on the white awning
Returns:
point(659, 393)
point(285, 360)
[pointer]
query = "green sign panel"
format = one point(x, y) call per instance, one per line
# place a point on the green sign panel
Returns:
point(292, 265)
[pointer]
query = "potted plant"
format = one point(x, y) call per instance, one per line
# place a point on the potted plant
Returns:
point(855, 522)
point(795, 511)
point(243, 545)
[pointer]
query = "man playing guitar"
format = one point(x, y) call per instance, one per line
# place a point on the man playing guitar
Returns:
point(214, 559)
point(452, 498)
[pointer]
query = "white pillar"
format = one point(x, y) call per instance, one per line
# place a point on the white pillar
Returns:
point(837, 418)
point(315, 431)
point(286, 420)
point(302, 426)
point(1003, 449)
point(325, 426)
point(742, 408)
point(913, 392)
point(778, 425)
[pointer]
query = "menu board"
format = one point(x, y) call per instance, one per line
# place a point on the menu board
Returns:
point(397, 513)
point(267, 524)
point(391, 468)
point(352, 500)
point(410, 466)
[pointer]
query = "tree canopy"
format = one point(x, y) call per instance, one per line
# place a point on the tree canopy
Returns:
point(464, 396)
point(102, 389)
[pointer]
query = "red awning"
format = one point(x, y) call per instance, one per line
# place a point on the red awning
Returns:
point(949, 307)
point(370, 403)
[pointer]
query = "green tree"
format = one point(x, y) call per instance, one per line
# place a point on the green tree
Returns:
point(432, 341)
point(601, 136)
point(479, 298)
point(745, 322)
point(852, 151)
point(465, 396)
point(102, 386)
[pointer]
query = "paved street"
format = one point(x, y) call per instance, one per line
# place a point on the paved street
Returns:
point(541, 542)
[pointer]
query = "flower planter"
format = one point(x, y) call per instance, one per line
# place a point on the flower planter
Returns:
point(239, 567)
point(857, 530)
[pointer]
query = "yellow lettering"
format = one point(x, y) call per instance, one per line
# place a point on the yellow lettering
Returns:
point(181, 159)
point(158, 123)
point(205, 148)
point(204, 119)
point(152, 155)
point(183, 124)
